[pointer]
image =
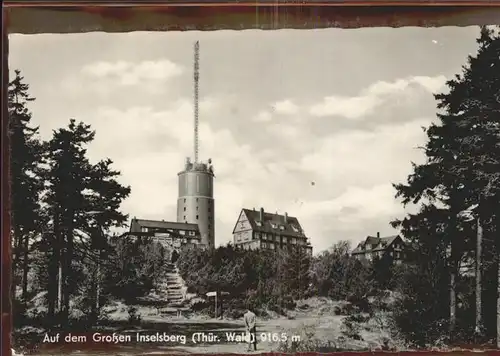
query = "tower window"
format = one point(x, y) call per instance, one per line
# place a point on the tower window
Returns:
point(184, 208)
point(196, 217)
point(184, 200)
point(209, 209)
point(184, 217)
point(196, 199)
point(196, 208)
point(197, 184)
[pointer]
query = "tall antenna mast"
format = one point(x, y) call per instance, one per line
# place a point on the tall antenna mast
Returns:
point(196, 80)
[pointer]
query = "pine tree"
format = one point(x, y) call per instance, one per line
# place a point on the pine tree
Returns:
point(298, 267)
point(68, 177)
point(26, 157)
point(463, 162)
point(474, 105)
point(103, 197)
point(83, 201)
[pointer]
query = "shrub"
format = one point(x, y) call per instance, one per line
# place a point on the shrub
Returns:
point(134, 317)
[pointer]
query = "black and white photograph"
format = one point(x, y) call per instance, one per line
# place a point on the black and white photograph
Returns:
point(255, 191)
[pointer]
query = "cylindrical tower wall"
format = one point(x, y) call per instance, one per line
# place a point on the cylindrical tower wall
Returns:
point(195, 204)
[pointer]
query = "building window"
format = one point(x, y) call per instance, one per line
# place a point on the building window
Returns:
point(209, 209)
point(277, 238)
point(184, 217)
point(196, 217)
point(182, 232)
point(285, 240)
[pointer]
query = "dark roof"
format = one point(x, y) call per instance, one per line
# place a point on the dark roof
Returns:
point(380, 243)
point(137, 224)
point(270, 219)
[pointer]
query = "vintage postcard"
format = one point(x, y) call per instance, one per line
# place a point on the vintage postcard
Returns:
point(314, 190)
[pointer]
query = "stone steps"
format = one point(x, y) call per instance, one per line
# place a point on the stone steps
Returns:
point(173, 289)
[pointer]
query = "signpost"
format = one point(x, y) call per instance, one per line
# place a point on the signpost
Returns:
point(217, 295)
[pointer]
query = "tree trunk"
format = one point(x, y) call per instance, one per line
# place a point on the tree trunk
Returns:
point(25, 269)
point(498, 299)
point(94, 297)
point(453, 292)
point(479, 323)
point(453, 303)
point(15, 263)
point(67, 280)
point(52, 283)
point(60, 279)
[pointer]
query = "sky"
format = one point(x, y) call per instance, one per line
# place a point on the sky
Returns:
point(315, 123)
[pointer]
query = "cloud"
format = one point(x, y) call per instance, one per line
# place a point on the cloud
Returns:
point(127, 73)
point(263, 116)
point(366, 156)
point(355, 205)
point(122, 78)
point(285, 107)
point(378, 93)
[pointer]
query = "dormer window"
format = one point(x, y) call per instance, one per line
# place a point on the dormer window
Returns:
point(258, 223)
point(274, 226)
point(295, 228)
point(282, 227)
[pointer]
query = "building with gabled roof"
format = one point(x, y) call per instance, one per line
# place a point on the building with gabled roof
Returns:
point(263, 230)
point(171, 235)
point(376, 246)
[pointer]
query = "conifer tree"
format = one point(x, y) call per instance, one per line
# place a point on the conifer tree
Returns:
point(462, 166)
point(83, 203)
point(26, 181)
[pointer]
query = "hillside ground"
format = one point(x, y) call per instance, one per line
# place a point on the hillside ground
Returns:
point(313, 325)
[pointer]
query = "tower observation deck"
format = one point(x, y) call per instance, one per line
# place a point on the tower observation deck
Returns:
point(195, 204)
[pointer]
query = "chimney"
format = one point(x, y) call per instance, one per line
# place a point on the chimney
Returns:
point(286, 217)
point(261, 214)
point(378, 234)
